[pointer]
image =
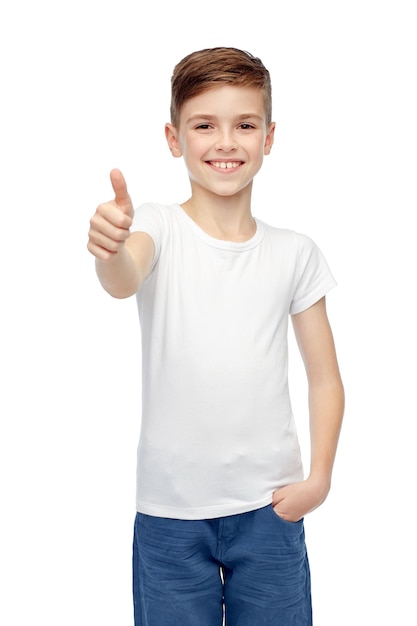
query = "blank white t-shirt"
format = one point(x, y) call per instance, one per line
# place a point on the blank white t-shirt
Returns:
point(217, 430)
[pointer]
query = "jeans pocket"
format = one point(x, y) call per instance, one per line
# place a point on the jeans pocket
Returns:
point(284, 521)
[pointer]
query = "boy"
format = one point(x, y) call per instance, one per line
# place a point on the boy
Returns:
point(220, 490)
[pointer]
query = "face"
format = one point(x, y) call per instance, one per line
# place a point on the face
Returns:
point(223, 136)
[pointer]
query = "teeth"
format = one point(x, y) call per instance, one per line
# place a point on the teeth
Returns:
point(225, 166)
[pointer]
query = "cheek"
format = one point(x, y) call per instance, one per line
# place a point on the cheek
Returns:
point(194, 149)
point(258, 153)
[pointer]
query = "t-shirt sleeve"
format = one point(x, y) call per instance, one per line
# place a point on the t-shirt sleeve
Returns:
point(148, 218)
point(313, 277)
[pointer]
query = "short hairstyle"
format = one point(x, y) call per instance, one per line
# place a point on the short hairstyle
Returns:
point(215, 67)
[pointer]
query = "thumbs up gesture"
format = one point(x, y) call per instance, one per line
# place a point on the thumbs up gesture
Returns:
point(110, 224)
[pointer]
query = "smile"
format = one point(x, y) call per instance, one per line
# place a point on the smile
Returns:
point(225, 165)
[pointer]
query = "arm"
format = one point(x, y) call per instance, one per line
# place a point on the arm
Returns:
point(326, 407)
point(122, 259)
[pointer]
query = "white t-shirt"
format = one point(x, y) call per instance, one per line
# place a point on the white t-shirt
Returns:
point(217, 432)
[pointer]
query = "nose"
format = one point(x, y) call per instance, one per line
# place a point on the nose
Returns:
point(226, 141)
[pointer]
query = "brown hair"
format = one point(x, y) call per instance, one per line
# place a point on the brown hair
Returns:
point(211, 67)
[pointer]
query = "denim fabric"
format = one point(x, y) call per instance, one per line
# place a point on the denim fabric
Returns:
point(252, 568)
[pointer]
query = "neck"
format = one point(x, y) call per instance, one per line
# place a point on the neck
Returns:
point(223, 217)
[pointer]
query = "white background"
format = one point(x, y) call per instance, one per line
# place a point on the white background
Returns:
point(84, 88)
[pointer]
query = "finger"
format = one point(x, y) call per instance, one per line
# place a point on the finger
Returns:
point(102, 228)
point(278, 496)
point(100, 253)
point(110, 214)
point(121, 195)
point(107, 243)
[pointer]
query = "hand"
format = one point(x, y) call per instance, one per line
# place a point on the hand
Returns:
point(109, 226)
point(294, 501)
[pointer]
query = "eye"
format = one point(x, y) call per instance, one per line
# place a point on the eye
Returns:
point(203, 127)
point(246, 126)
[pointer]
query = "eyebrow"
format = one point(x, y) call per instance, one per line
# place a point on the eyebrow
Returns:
point(206, 116)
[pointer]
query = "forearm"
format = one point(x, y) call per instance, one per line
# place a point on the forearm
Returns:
point(120, 276)
point(326, 403)
point(326, 406)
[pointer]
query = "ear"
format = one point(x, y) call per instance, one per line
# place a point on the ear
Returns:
point(269, 140)
point(171, 135)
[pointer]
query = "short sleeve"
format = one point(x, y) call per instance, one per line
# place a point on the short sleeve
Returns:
point(313, 278)
point(148, 218)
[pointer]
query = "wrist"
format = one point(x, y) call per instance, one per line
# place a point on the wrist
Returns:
point(321, 484)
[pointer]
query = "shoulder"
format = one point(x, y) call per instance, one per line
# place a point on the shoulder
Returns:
point(292, 239)
point(153, 209)
point(153, 218)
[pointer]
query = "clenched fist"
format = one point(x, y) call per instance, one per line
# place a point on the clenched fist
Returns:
point(110, 224)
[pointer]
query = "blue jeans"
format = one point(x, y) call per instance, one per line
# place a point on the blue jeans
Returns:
point(252, 567)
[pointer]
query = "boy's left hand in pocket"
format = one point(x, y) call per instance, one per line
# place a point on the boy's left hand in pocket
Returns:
point(294, 501)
